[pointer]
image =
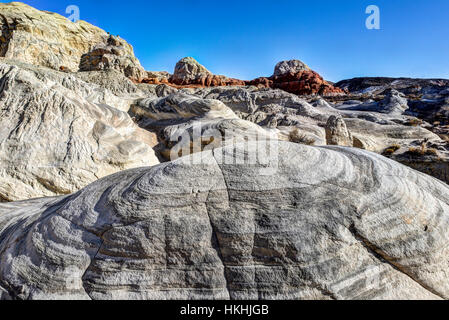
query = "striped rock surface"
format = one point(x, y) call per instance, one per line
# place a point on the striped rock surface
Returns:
point(302, 223)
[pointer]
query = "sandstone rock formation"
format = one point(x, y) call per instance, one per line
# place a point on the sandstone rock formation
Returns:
point(189, 73)
point(422, 105)
point(373, 125)
point(295, 77)
point(290, 66)
point(114, 55)
point(291, 76)
point(116, 83)
point(218, 230)
point(187, 124)
point(303, 83)
point(404, 85)
point(48, 39)
point(394, 103)
point(427, 99)
point(59, 133)
point(157, 77)
point(337, 133)
point(428, 156)
point(188, 70)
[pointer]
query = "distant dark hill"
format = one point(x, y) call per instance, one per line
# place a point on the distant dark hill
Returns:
point(405, 85)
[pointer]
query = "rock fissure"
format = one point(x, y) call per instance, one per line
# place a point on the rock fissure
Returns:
point(86, 289)
point(214, 230)
point(216, 245)
point(384, 258)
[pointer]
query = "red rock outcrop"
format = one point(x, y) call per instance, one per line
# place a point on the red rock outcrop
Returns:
point(291, 76)
point(211, 80)
point(206, 81)
point(305, 82)
point(161, 77)
point(189, 73)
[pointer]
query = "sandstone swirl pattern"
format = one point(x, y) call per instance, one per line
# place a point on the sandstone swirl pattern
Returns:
point(333, 223)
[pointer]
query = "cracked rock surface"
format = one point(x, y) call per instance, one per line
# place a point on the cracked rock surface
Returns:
point(356, 226)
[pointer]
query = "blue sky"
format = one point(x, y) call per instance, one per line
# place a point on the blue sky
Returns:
point(245, 39)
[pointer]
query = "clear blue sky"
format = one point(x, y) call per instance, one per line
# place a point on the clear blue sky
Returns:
point(245, 39)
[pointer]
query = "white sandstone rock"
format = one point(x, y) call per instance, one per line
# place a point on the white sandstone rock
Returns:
point(59, 133)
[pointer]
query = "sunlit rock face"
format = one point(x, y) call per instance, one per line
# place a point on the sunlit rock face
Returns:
point(48, 39)
point(114, 55)
point(290, 66)
point(59, 133)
